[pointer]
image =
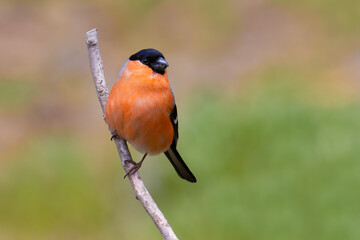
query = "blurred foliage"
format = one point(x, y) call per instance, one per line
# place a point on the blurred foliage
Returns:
point(269, 166)
point(273, 166)
point(180, 21)
point(341, 17)
point(49, 187)
point(15, 93)
point(267, 94)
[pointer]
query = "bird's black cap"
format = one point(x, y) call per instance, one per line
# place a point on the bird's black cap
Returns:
point(151, 58)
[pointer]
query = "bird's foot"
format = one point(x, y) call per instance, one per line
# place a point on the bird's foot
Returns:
point(113, 135)
point(136, 166)
point(133, 169)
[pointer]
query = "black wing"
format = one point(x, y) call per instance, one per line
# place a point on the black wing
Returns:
point(175, 123)
point(173, 155)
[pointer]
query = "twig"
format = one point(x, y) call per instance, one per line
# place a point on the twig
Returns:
point(141, 193)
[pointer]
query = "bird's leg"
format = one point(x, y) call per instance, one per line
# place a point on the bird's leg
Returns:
point(113, 135)
point(136, 166)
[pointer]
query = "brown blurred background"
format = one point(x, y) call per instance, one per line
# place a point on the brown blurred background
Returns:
point(268, 100)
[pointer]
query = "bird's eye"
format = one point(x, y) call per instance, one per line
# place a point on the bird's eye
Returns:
point(145, 60)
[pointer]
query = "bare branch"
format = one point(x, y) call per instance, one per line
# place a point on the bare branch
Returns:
point(141, 193)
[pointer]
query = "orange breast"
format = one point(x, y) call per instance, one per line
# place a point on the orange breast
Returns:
point(139, 107)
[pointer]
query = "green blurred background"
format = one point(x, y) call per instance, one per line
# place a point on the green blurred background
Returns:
point(269, 111)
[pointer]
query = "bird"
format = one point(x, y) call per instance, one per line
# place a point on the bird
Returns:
point(141, 109)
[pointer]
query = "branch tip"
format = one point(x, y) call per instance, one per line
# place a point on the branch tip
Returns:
point(91, 37)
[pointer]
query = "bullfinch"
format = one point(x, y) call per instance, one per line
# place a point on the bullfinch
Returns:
point(141, 109)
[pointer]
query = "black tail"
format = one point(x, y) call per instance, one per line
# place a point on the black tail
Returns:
point(182, 170)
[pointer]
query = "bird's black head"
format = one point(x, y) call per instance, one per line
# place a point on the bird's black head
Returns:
point(152, 58)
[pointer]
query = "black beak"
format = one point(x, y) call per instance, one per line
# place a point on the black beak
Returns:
point(162, 63)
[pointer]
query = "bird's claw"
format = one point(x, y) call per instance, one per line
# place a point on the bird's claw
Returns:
point(113, 135)
point(134, 168)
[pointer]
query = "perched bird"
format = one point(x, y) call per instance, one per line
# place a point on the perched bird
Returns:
point(141, 109)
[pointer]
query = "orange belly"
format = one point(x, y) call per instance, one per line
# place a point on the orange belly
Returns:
point(152, 134)
point(140, 112)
